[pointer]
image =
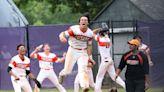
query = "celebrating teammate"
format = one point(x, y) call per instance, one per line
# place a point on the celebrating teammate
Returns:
point(143, 47)
point(107, 65)
point(91, 80)
point(46, 60)
point(19, 68)
point(80, 50)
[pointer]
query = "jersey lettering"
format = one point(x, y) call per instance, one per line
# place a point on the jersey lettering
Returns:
point(22, 66)
point(82, 37)
point(132, 62)
point(46, 59)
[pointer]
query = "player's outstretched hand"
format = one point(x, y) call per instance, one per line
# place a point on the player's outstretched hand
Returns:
point(151, 63)
point(39, 47)
point(16, 79)
point(37, 83)
point(62, 39)
point(91, 63)
point(64, 54)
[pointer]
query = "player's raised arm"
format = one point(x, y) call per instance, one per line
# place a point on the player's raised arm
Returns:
point(147, 52)
point(62, 58)
point(95, 31)
point(32, 55)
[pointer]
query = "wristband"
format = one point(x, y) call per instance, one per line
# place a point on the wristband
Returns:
point(90, 57)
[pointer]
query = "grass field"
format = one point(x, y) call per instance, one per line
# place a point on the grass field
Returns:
point(104, 90)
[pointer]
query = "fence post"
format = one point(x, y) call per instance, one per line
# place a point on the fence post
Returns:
point(112, 36)
point(27, 40)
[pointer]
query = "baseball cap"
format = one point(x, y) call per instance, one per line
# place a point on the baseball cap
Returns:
point(134, 42)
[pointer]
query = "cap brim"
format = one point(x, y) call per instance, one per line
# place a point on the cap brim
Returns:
point(129, 42)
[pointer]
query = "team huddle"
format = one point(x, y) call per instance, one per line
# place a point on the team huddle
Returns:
point(79, 51)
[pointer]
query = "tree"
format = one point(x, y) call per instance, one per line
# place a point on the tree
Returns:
point(91, 6)
point(40, 12)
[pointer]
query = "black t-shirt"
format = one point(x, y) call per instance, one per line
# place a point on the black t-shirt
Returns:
point(137, 65)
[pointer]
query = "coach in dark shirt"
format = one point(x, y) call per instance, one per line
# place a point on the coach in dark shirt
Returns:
point(137, 68)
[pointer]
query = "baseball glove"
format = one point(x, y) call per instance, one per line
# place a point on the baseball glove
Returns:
point(37, 83)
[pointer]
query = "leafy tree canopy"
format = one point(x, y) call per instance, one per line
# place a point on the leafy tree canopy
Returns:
point(41, 12)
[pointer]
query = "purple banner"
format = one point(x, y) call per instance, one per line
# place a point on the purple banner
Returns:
point(9, 39)
point(153, 35)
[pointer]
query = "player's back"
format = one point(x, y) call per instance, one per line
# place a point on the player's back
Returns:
point(104, 45)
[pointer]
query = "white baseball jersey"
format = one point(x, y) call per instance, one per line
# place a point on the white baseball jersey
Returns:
point(77, 38)
point(19, 66)
point(104, 45)
point(107, 65)
point(45, 60)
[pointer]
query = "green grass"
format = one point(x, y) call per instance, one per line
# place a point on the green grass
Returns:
point(104, 90)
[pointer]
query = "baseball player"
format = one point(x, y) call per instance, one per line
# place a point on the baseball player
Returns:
point(80, 50)
point(91, 80)
point(143, 47)
point(107, 65)
point(19, 68)
point(46, 60)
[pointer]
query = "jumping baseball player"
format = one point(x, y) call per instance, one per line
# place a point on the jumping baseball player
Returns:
point(46, 60)
point(144, 48)
point(19, 68)
point(91, 80)
point(107, 65)
point(80, 50)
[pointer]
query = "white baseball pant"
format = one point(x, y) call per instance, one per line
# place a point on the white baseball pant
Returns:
point(21, 83)
point(81, 57)
point(91, 81)
point(107, 66)
point(50, 74)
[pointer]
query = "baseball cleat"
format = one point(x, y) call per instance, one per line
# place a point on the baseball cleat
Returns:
point(113, 89)
point(61, 79)
point(86, 90)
